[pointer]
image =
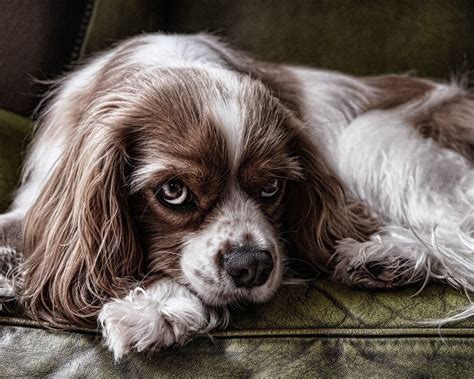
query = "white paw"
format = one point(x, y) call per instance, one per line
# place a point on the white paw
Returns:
point(9, 276)
point(165, 314)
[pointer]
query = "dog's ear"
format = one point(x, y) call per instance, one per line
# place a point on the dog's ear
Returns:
point(81, 245)
point(318, 212)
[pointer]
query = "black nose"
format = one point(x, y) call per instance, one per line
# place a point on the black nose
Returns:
point(248, 266)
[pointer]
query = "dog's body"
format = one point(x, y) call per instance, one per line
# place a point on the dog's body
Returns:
point(370, 178)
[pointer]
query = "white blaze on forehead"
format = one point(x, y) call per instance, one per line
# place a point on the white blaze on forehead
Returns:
point(228, 114)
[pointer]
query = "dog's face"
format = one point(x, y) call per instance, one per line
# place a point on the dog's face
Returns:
point(199, 174)
point(208, 174)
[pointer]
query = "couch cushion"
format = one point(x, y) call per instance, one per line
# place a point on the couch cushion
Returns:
point(325, 305)
point(34, 352)
point(317, 328)
point(113, 21)
point(434, 38)
point(321, 307)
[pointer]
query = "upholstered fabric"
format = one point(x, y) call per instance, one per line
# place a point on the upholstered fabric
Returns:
point(34, 352)
point(317, 328)
point(434, 38)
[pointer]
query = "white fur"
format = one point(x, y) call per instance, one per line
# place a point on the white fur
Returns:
point(330, 101)
point(229, 116)
point(423, 192)
point(175, 51)
point(236, 218)
point(138, 180)
point(10, 258)
point(162, 315)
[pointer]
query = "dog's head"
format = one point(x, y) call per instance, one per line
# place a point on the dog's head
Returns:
point(202, 175)
point(207, 174)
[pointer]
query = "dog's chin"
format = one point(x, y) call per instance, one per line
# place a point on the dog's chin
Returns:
point(232, 296)
point(222, 295)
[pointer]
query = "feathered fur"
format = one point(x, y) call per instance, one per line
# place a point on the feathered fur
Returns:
point(374, 184)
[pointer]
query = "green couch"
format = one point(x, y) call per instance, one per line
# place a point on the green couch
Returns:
point(314, 329)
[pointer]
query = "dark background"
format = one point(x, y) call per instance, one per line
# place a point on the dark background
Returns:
point(40, 39)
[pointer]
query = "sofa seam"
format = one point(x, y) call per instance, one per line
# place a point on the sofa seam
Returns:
point(281, 332)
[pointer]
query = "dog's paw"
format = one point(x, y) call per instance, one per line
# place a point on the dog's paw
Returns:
point(366, 265)
point(11, 230)
point(10, 279)
point(163, 315)
point(372, 275)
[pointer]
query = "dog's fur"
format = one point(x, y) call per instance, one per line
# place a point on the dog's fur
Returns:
point(376, 186)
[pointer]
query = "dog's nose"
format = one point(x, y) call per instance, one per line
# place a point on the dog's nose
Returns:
point(248, 266)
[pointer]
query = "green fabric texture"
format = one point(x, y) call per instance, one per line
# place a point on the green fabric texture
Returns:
point(433, 38)
point(112, 21)
point(14, 134)
point(317, 328)
point(324, 304)
point(324, 307)
point(34, 352)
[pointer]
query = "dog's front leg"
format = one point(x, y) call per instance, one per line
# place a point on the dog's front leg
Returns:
point(164, 314)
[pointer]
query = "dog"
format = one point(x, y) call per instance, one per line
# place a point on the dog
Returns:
point(173, 175)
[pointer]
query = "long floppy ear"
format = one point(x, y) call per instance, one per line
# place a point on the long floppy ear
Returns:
point(81, 245)
point(318, 211)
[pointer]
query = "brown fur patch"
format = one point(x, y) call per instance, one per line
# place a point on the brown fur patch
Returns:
point(394, 90)
point(450, 124)
point(318, 212)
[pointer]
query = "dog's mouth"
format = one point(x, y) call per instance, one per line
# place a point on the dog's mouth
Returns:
point(222, 297)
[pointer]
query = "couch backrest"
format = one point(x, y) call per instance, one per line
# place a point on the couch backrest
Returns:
point(433, 38)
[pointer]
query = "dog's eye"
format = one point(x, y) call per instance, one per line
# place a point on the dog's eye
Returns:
point(174, 192)
point(270, 189)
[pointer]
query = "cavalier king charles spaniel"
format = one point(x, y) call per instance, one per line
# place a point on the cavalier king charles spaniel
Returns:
point(173, 175)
